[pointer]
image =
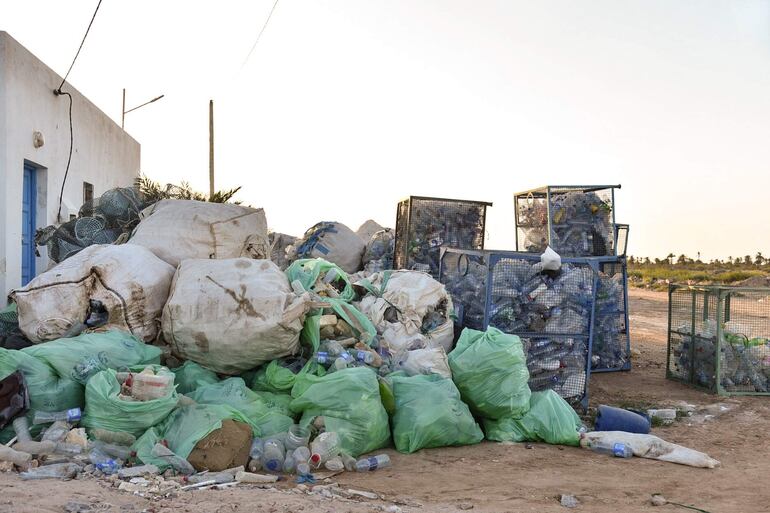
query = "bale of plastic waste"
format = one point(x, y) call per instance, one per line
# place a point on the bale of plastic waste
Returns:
point(347, 403)
point(650, 446)
point(269, 420)
point(112, 405)
point(550, 419)
point(128, 281)
point(322, 277)
point(177, 230)
point(232, 315)
point(183, 429)
point(191, 376)
point(410, 310)
point(490, 370)
point(79, 358)
point(367, 229)
point(429, 413)
point(278, 244)
point(378, 255)
point(331, 241)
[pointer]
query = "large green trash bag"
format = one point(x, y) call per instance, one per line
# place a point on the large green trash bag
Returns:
point(190, 376)
point(81, 357)
point(309, 270)
point(105, 410)
point(550, 419)
point(47, 391)
point(490, 370)
point(349, 402)
point(184, 428)
point(234, 392)
point(430, 413)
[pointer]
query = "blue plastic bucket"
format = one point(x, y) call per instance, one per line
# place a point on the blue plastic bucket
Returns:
point(610, 418)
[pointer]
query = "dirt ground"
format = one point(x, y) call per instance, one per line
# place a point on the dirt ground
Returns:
point(511, 478)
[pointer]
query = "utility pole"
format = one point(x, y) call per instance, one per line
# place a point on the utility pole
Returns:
point(123, 110)
point(211, 149)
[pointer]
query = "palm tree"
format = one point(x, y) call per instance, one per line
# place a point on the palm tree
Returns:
point(154, 191)
point(759, 259)
point(670, 257)
point(681, 260)
point(747, 260)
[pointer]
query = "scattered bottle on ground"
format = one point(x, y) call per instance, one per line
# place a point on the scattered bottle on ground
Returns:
point(335, 464)
point(273, 455)
point(175, 461)
point(289, 465)
point(373, 463)
point(56, 432)
point(46, 417)
point(301, 457)
point(16, 457)
point(116, 451)
point(323, 448)
point(349, 461)
point(619, 450)
point(21, 427)
point(54, 471)
point(297, 436)
point(255, 453)
point(114, 437)
point(104, 462)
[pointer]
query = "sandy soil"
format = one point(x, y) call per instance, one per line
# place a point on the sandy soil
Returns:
point(512, 478)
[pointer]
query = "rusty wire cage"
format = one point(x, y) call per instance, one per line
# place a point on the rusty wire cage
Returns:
point(424, 225)
point(574, 220)
point(719, 338)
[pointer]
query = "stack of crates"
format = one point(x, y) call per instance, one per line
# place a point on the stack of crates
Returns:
point(719, 338)
point(424, 225)
point(579, 221)
point(552, 312)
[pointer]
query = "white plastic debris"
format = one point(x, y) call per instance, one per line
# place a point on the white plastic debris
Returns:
point(650, 446)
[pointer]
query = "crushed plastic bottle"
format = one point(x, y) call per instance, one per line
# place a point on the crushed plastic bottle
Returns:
point(21, 427)
point(121, 452)
point(289, 464)
point(343, 361)
point(301, 457)
point(348, 461)
point(113, 437)
point(176, 462)
point(362, 356)
point(54, 471)
point(44, 417)
point(225, 476)
point(324, 447)
point(335, 464)
point(619, 450)
point(373, 463)
point(104, 462)
point(20, 458)
point(274, 455)
point(56, 432)
point(332, 348)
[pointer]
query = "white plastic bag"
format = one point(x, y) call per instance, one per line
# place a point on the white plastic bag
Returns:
point(334, 242)
point(176, 230)
point(130, 281)
point(409, 309)
point(550, 260)
point(232, 315)
point(650, 446)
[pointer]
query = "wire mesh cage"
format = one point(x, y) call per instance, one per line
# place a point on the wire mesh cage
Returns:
point(100, 221)
point(611, 342)
point(464, 273)
point(575, 220)
point(559, 363)
point(719, 338)
point(424, 225)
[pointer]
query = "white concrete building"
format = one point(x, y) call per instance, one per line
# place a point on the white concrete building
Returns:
point(34, 147)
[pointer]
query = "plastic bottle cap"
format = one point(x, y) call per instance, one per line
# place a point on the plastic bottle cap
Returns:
point(315, 458)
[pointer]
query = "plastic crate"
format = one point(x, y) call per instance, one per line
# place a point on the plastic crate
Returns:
point(611, 343)
point(719, 338)
point(575, 220)
point(424, 225)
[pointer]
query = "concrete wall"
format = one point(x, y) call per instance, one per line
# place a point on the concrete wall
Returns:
point(103, 154)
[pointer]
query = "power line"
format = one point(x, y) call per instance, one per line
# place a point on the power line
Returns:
point(260, 34)
point(80, 47)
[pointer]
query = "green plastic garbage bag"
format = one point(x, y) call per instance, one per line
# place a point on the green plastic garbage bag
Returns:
point(105, 410)
point(550, 419)
point(362, 326)
point(234, 392)
point(309, 270)
point(349, 402)
point(81, 357)
point(184, 428)
point(430, 413)
point(190, 376)
point(490, 370)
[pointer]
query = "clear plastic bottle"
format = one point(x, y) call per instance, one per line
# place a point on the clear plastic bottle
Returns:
point(66, 449)
point(14, 456)
point(289, 464)
point(343, 361)
point(175, 461)
point(332, 348)
point(335, 464)
point(273, 455)
point(324, 447)
point(217, 477)
point(619, 450)
point(54, 471)
point(114, 437)
point(348, 461)
point(373, 463)
point(297, 436)
point(255, 453)
point(21, 426)
point(38, 448)
point(46, 417)
point(56, 432)
point(323, 358)
point(301, 454)
point(362, 356)
point(104, 462)
point(116, 451)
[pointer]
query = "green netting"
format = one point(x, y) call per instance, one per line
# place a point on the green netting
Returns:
point(550, 419)
point(490, 370)
point(268, 419)
point(308, 271)
point(190, 376)
point(429, 413)
point(349, 402)
point(106, 410)
point(81, 357)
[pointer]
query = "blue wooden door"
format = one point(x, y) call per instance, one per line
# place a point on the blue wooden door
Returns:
point(29, 203)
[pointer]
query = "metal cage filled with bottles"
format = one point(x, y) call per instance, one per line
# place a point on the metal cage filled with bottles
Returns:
point(719, 338)
point(552, 311)
point(574, 220)
point(424, 225)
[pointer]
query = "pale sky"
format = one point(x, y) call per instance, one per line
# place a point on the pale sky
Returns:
point(346, 106)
